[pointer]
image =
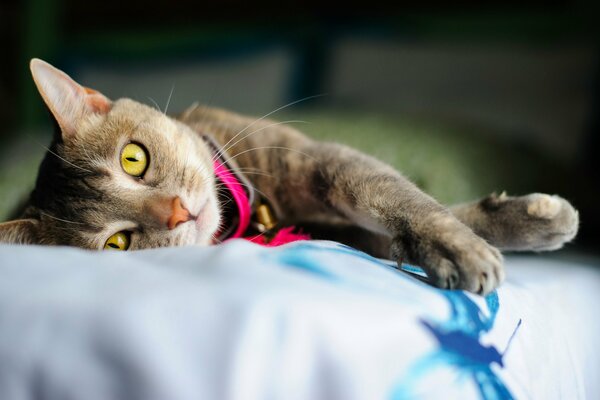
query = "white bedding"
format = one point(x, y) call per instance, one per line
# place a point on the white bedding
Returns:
point(311, 320)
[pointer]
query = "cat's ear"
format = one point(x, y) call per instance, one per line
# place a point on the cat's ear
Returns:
point(20, 231)
point(68, 101)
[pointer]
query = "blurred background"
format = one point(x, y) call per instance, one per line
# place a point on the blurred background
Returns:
point(465, 99)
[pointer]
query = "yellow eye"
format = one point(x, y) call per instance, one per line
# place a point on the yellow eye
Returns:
point(134, 159)
point(118, 241)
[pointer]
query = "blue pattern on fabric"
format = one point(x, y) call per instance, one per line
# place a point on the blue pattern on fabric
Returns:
point(301, 255)
point(458, 337)
point(460, 347)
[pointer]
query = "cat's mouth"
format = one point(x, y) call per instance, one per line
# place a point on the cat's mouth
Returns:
point(207, 221)
point(200, 218)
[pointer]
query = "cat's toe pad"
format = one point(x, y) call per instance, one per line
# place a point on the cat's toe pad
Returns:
point(544, 206)
point(535, 221)
point(552, 222)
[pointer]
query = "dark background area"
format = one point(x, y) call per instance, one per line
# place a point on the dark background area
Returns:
point(523, 73)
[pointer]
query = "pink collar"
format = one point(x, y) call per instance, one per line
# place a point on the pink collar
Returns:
point(239, 195)
point(242, 194)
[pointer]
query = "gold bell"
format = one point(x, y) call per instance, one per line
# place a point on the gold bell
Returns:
point(265, 217)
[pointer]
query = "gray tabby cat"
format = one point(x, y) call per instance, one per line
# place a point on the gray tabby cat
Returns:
point(120, 174)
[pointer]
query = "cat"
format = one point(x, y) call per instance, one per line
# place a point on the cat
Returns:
point(120, 174)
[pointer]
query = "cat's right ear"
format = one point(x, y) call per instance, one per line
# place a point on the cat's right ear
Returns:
point(20, 231)
point(68, 101)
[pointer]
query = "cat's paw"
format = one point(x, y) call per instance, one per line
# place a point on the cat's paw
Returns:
point(537, 221)
point(452, 256)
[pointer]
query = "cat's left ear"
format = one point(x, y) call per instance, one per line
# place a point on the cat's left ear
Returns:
point(68, 101)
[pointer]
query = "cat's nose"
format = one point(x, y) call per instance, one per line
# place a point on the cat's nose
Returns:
point(179, 214)
point(168, 212)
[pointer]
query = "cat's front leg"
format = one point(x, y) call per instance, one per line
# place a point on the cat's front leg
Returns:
point(423, 231)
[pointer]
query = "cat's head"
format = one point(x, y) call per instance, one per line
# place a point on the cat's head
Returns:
point(117, 174)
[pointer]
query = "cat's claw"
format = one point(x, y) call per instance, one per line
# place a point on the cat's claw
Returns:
point(476, 267)
point(455, 258)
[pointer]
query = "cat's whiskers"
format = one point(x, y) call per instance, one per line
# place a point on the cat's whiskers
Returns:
point(227, 148)
point(229, 201)
point(215, 239)
point(59, 157)
point(86, 153)
point(222, 191)
point(258, 173)
point(251, 187)
point(254, 171)
point(169, 100)
point(94, 160)
point(60, 219)
point(155, 104)
point(261, 234)
point(273, 147)
point(249, 169)
point(265, 116)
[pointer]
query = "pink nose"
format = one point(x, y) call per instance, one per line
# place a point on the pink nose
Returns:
point(179, 214)
point(169, 212)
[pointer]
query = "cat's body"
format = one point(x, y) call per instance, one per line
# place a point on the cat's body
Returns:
point(319, 184)
point(83, 197)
